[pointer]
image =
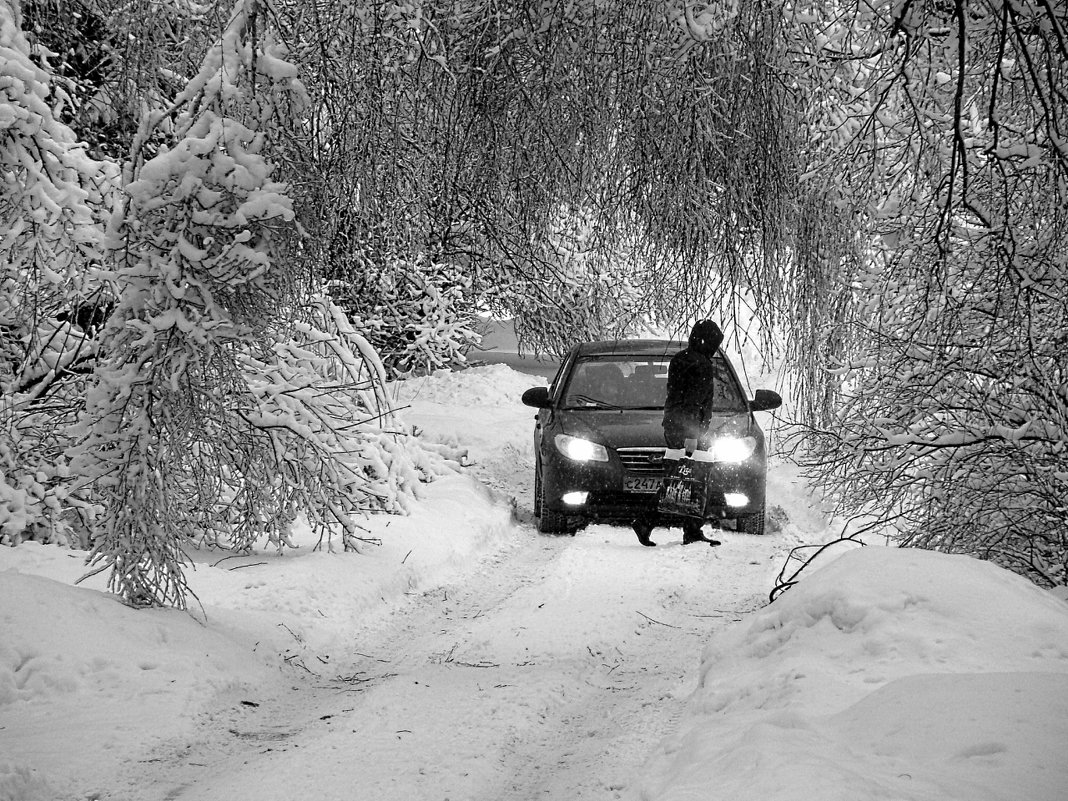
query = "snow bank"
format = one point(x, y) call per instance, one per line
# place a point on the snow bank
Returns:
point(492, 385)
point(83, 677)
point(886, 674)
point(87, 683)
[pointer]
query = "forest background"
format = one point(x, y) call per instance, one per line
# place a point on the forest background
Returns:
point(223, 225)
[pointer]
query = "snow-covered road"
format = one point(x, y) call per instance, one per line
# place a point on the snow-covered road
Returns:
point(549, 670)
point(469, 658)
point(548, 667)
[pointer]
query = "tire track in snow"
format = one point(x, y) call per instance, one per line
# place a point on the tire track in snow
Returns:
point(550, 670)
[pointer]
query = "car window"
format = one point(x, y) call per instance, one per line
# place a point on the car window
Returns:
point(727, 395)
point(637, 382)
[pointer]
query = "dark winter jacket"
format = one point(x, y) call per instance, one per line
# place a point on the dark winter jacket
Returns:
point(688, 407)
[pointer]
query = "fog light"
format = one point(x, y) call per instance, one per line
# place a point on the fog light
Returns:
point(736, 499)
point(574, 498)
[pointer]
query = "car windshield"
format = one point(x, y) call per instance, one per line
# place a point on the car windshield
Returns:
point(638, 382)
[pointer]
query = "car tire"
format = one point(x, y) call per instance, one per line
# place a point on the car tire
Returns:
point(752, 524)
point(549, 521)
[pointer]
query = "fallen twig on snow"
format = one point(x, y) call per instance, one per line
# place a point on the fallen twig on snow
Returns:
point(659, 622)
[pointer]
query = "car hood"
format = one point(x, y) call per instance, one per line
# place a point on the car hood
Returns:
point(637, 428)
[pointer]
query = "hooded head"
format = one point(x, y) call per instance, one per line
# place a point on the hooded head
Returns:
point(706, 337)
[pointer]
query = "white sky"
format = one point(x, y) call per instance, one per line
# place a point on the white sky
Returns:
point(469, 657)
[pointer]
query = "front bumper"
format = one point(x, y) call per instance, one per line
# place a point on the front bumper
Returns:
point(606, 499)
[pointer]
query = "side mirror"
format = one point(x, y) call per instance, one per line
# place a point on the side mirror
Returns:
point(538, 397)
point(765, 400)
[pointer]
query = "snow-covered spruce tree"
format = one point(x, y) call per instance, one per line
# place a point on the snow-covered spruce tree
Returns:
point(225, 404)
point(49, 236)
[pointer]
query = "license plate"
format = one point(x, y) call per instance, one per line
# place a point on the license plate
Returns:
point(641, 484)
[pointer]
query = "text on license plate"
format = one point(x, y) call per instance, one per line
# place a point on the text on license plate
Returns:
point(641, 484)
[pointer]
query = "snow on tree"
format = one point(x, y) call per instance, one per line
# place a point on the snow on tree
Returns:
point(938, 130)
point(883, 184)
point(419, 316)
point(113, 58)
point(49, 237)
point(228, 399)
point(475, 128)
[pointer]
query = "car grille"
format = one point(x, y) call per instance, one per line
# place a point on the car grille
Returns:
point(642, 461)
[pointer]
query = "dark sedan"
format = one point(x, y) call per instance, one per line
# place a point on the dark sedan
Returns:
point(599, 440)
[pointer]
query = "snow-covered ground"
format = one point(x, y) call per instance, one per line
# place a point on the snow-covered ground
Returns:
point(469, 657)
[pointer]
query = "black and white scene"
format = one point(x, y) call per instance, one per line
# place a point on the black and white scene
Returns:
point(530, 400)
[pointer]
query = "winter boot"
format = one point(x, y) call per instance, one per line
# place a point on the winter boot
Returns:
point(692, 533)
point(644, 530)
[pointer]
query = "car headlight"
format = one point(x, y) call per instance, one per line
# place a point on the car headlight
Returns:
point(732, 449)
point(580, 450)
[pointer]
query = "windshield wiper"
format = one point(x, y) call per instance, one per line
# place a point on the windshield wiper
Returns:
point(590, 401)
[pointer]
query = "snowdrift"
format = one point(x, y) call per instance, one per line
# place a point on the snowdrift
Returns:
point(885, 674)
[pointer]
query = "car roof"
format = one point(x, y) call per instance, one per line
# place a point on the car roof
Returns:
point(636, 347)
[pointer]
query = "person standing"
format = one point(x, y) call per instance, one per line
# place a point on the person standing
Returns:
point(690, 386)
point(688, 410)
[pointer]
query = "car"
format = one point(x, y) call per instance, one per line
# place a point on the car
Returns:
point(599, 439)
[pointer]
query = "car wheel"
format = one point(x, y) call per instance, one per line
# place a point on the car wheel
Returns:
point(752, 524)
point(549, 520)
